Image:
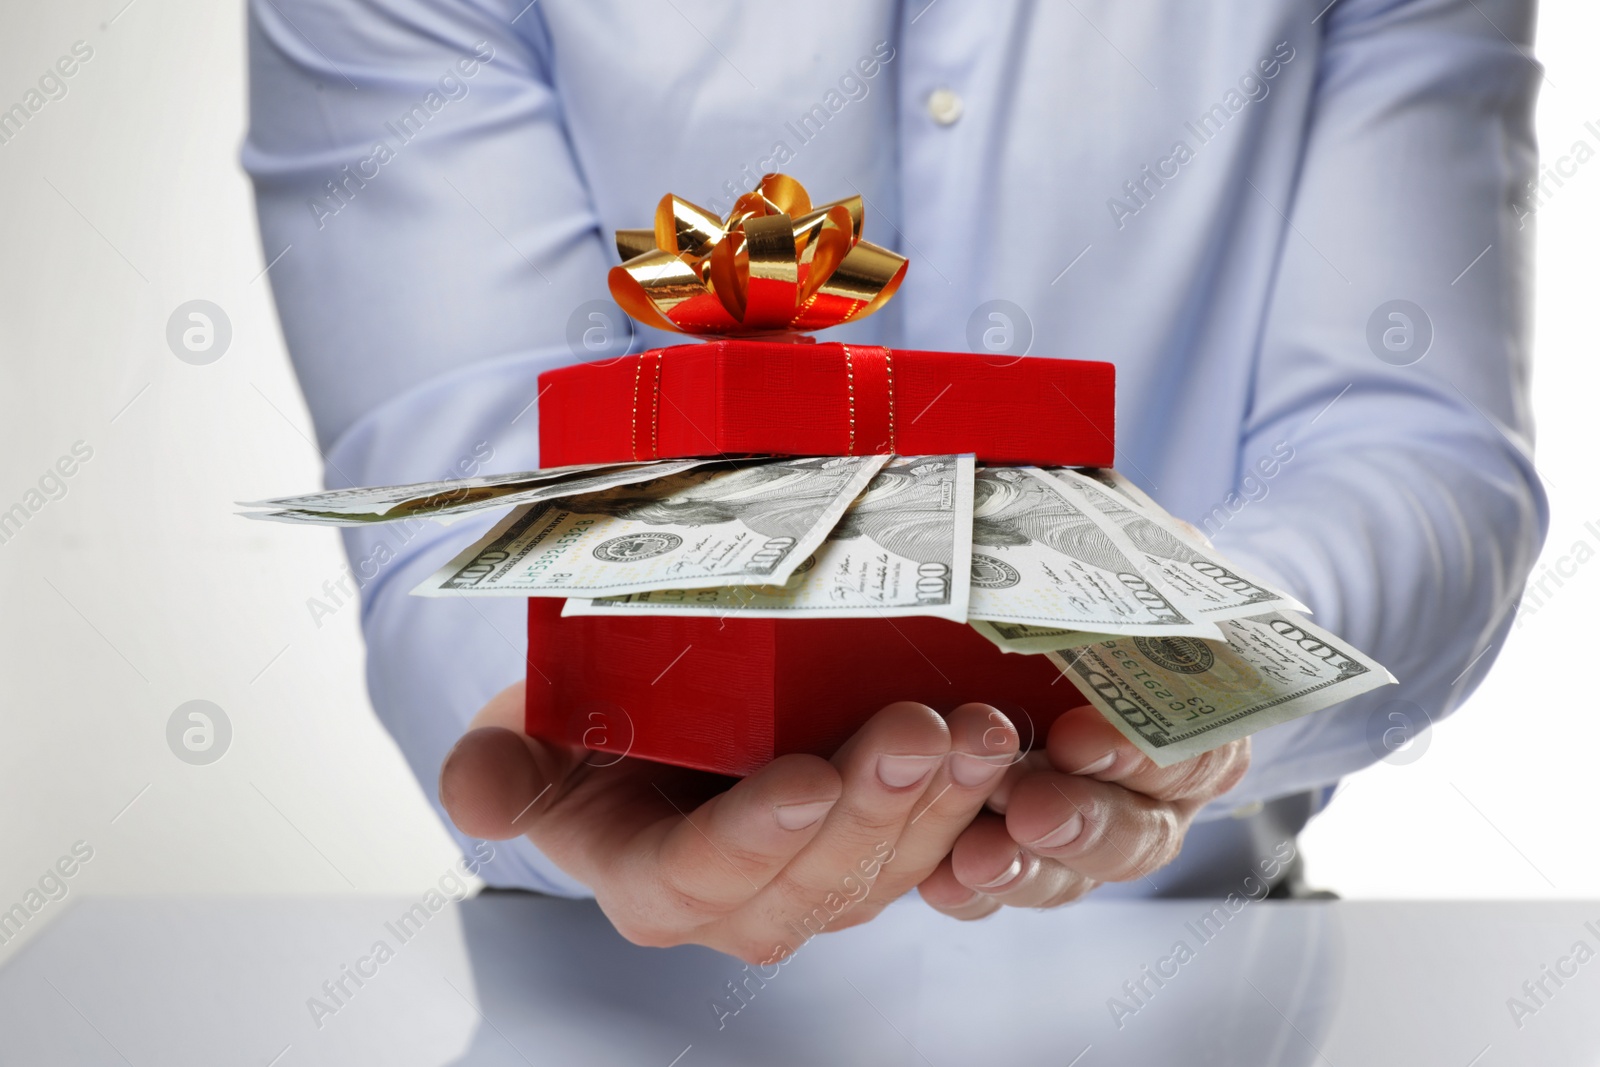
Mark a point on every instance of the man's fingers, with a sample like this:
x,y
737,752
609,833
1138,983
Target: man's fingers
x,y
943,892
1100,830
496,779
727,850
1033,760
1082,742
989,862
887,767
492,780
983,744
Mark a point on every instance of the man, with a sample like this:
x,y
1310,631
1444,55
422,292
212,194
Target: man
x,y
1288,222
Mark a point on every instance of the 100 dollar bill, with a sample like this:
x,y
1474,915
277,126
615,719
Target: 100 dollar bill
x,y
1040,557
901,549
1176,697
444,500
1025,639
727,524
1198,577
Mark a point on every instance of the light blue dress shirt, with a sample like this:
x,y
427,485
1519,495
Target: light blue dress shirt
x,y
1291,224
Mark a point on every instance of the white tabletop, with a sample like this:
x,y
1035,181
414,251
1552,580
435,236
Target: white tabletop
x,y
510,979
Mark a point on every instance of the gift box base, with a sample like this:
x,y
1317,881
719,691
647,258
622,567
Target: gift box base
x,y
728,695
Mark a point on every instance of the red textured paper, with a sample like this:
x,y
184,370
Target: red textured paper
x,y
733,397
728,695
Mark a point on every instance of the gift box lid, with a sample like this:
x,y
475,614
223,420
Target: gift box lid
x,y
734,397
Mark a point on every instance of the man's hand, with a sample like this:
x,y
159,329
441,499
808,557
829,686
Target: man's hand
x,y
750,867
1090,808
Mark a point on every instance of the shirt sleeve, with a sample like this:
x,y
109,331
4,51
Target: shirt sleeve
x,y
1396,492
430,240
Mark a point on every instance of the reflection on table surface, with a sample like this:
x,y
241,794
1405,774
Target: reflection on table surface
x,y
513,979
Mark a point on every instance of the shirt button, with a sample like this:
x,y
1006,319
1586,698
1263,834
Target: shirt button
x,y
945,106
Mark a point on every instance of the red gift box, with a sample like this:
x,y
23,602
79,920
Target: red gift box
x,y
728,695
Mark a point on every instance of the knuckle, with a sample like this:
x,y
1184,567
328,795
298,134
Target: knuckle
x,y
747,861
867,825
811,907
1196,777
1237,768
1141,764
1130,765
1163,839
682,889
781,951
1075,890
645,933
863,912
688,883
828,912
752,950
881,894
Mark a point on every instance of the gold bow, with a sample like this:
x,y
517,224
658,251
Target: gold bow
x,y
775,264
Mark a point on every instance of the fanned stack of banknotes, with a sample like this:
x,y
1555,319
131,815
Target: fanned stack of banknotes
x,y
1174,645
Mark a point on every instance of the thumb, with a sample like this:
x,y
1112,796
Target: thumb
x,y
490,782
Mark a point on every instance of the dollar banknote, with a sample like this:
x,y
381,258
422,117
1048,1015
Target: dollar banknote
x,y
1041,558
740,523
1034,640
319,518
1201,580
358,507
1175,697
376,500
901,549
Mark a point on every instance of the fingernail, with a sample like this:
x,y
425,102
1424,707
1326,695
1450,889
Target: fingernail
x,y
970,770
897,772
1011,871
1098,765
1064,834
800,816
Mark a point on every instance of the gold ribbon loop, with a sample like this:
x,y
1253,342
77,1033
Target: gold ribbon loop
x,y
685,229
775,264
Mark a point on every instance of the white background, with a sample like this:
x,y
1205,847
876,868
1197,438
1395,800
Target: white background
x,y
140,590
